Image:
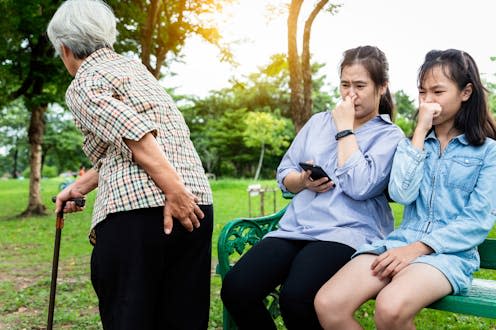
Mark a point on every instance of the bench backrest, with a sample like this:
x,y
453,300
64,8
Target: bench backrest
x,y
487,251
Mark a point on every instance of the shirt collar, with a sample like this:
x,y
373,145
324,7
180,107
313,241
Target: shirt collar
x,y
386,118
96,57
461,138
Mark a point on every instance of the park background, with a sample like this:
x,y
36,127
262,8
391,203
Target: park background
x,y
244,85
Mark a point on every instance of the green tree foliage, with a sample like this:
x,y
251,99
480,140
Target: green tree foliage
x,y
226,137
217,122
406,112
13,138
264,130
492,97
157,30
491,87
62,143
61,146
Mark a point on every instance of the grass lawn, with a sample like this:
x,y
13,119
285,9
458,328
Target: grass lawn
x,y
26,249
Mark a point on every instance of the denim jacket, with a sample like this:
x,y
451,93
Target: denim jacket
x,y
449,197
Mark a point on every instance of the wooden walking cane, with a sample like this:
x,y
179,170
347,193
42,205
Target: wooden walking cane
x,y
59,224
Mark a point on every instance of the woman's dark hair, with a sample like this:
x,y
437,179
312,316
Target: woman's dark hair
x,y
375,62
474,118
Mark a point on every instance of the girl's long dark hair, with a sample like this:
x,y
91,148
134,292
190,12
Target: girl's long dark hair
x,y
375,62
474,118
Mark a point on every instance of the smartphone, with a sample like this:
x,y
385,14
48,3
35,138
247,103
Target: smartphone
x,y
317,171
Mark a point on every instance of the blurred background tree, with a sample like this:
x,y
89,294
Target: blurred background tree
x,y
300,71
405,112
157,30
31,75
491,86
217,122
265,131
14,119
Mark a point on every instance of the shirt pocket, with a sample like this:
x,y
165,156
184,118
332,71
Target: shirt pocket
x,y
463,172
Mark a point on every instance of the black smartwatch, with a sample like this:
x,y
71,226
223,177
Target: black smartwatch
x,y
343,133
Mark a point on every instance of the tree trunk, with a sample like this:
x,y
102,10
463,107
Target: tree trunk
x,y
147,34
155,11
36,128
300,70
260,161
295,71
305,59
14,165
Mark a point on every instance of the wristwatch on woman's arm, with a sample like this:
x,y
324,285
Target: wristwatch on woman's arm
x,y
343,133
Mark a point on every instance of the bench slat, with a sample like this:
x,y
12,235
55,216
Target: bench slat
x,y
480,301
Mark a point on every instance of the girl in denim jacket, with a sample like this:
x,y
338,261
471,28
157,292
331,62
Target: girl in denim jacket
x,y
445,177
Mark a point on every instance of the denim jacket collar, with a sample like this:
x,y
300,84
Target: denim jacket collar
x,y
461,138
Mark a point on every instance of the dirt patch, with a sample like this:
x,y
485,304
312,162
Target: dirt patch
x,y
24,276
21,313
20,278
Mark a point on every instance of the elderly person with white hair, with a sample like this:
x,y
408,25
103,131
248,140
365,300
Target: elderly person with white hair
x,y
153,214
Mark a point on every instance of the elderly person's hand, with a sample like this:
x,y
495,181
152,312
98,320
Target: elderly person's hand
x,y
78,189
64,198
182,205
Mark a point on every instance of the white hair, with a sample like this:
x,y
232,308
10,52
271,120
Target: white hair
x,y
83,26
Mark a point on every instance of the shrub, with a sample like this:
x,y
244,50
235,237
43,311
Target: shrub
x,y
47,172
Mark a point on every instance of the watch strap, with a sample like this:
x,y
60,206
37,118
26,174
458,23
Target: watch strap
x,y
343,133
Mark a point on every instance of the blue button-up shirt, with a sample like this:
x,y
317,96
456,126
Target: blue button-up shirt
x,y
356,211
450,203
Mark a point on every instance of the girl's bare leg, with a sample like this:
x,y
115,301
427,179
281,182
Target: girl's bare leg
x,y
413,288
349,288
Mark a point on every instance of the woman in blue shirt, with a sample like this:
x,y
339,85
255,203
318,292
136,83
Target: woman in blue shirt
x,y
445,178
327,219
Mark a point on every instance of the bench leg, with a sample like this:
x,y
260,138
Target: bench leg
x,y
227,321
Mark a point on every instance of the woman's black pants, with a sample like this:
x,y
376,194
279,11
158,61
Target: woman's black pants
x,y
145,279
300,267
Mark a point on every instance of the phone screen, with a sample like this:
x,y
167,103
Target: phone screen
x,y
317,171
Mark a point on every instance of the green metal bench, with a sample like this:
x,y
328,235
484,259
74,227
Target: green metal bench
x,y
239,235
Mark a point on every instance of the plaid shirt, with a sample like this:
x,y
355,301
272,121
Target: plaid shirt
x,y
112,98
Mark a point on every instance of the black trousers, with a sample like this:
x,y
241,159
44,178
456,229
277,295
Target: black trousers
x,y
300,267
145,279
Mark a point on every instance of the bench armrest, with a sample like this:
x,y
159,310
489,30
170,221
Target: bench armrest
x,y
487,251
240,234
